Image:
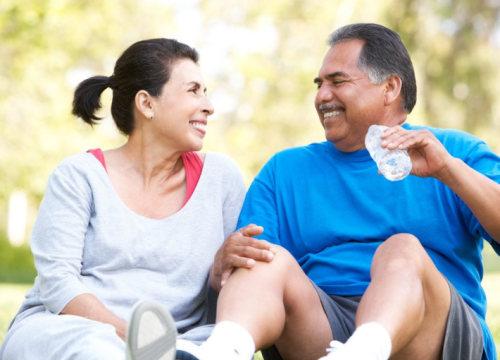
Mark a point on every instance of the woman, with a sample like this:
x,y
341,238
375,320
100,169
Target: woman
x,y
142,221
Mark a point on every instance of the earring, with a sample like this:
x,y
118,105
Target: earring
x,y
151,117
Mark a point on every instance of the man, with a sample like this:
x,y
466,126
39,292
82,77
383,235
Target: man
x,y
386,269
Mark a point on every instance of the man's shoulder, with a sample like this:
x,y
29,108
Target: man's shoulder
x,y
450,138
299,152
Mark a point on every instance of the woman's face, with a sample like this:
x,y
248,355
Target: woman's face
x,y
182,109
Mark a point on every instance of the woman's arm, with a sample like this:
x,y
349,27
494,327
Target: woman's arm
x,y
87,306
58,243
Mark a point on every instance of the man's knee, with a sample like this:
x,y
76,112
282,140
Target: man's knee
x,y
283,260
282,265
401,252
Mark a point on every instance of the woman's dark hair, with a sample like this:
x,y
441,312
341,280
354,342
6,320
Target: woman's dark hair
x,y
145,65
383,55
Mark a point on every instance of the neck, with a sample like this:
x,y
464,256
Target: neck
x,y
147,159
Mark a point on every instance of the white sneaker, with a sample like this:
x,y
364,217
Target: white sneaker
x,y
151,333
209,350
334,349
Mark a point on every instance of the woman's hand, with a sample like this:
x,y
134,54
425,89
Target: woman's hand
x,y
240,249
87,306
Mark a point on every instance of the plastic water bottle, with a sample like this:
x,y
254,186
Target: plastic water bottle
x,y
393,164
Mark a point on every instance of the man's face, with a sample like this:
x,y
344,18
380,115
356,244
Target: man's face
x,y
347,102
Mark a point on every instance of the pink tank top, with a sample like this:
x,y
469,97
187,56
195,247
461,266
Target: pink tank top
x,y
192,165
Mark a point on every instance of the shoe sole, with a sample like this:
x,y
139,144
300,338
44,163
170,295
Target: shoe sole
x,y
182,355
159,347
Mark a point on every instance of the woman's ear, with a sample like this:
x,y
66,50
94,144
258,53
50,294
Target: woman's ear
x,y
393,87
143,103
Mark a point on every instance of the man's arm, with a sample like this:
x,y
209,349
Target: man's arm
x,y
431,159
242,249
481,194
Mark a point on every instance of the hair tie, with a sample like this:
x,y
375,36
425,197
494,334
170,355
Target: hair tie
x,y
110,81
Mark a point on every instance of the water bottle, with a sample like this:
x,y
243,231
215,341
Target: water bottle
x,y
393,164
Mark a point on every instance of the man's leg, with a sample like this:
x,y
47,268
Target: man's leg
x,y
277,303
409,297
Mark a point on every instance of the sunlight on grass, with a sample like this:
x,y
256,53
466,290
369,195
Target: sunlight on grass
x,y
12,295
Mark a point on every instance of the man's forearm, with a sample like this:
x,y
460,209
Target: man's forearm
x,y
481,194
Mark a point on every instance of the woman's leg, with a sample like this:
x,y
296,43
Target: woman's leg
x,y
46,336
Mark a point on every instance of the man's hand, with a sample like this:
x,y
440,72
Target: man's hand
x,y
428,156
430,159
240,249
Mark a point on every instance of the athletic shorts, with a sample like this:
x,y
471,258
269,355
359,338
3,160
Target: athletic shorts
x,y
463,337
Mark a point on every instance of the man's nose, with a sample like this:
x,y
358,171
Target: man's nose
x,y
324,94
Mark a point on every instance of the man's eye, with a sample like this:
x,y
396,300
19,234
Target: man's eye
x,y
338,82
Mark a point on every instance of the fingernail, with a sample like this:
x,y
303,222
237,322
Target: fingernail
x,y
273,250
270,256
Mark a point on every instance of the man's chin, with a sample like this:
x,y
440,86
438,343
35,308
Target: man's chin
x,y
331,138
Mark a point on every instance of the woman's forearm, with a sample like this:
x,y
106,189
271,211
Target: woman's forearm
x,y
87,306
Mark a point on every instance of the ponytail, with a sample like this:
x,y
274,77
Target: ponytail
x,y
87,98
145,65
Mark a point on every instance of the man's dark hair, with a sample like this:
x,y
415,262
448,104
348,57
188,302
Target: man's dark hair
x,y
383,55
145,65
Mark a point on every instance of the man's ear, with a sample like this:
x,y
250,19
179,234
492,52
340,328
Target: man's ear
x,y
393,87
143,103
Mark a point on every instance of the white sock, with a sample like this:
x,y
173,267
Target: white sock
x,y
371,341
236,336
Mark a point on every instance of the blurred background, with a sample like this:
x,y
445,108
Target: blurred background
x,y
259,59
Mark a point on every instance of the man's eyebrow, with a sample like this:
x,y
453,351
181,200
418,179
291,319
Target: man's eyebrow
x,y
330,76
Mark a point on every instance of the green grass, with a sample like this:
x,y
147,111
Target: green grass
x,y
16,263
491,284
12,295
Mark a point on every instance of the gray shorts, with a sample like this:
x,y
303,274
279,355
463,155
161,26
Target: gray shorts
x,y
463,338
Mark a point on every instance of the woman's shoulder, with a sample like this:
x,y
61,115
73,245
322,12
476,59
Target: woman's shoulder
x,y
77,165
220,160
223,166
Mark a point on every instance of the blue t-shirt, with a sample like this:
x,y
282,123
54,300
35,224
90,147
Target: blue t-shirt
x,y
332,210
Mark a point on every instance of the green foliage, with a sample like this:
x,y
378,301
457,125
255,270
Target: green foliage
x,y
262,54
455,49
16,263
